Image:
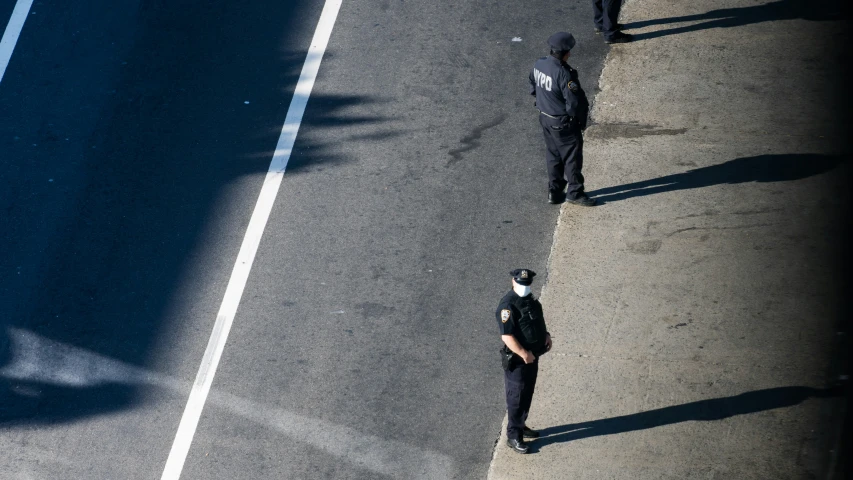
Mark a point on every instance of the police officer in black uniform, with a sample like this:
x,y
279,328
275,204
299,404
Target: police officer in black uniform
x,y
526,338
563,110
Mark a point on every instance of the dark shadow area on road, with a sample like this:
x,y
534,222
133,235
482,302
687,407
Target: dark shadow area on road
x,y
703,410
328,112
198,104
761,168
813,10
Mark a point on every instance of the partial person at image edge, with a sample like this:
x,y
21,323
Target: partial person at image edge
x,y
605,17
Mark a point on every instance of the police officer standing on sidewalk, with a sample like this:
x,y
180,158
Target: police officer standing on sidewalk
x,y
563,110
526,338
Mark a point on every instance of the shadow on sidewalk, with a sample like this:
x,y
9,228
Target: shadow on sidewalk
x,y
763,168
814,10
703,410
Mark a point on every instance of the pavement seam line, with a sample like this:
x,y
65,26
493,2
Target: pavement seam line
x,y
251,242
12,32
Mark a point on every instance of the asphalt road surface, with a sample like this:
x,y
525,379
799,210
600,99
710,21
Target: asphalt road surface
x,y
134,139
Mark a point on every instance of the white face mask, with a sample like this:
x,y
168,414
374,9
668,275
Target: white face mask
x,y
521,290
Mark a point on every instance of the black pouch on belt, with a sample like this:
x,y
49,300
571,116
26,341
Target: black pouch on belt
x,y
506,358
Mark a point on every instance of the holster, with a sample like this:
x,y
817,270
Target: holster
x,y
507,358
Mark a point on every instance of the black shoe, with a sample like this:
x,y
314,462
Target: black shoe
x,y
618,28
517,445
556,197
583,201
530,433
619,37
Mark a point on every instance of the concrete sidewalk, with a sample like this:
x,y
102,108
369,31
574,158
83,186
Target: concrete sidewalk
x,y
695,313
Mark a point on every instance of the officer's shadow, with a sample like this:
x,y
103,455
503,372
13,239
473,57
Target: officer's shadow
x,y
814,10
703,410
762,168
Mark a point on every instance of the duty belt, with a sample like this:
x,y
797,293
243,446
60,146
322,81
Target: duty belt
x,y
552,116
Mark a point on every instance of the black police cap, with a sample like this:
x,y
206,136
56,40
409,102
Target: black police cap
x,y
523,276
561,42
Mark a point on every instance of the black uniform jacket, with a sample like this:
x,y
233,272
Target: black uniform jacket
x,y
557,89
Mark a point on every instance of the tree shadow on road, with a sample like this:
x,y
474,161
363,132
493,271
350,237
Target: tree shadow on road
x,y
813,10
761,168
703,410
157,173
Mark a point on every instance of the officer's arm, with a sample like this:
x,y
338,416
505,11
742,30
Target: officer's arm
x,y
583,108
569,95
513,345
506,321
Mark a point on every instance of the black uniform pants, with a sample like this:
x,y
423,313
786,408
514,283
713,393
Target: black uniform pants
x,y
519,384
606,15
564,156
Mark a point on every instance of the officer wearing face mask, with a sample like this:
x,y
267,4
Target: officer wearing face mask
x,y
526,338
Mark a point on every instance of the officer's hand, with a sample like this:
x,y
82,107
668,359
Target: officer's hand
x,y
548,343
528,357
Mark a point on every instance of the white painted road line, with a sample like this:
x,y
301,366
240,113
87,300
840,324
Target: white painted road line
x,y
251,241
13,31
